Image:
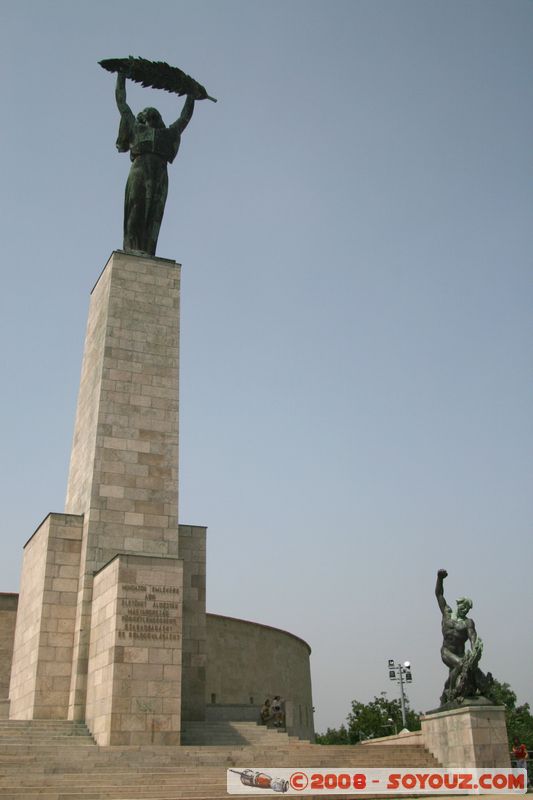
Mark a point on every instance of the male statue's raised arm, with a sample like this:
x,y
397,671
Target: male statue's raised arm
x,y
439,591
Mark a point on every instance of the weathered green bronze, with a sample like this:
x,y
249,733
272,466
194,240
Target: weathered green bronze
x,y
158,75
151,144
465,682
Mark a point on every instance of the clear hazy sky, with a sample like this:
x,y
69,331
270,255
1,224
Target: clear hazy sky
x,y
354,220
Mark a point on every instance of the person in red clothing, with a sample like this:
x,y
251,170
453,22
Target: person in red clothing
x,y
519,753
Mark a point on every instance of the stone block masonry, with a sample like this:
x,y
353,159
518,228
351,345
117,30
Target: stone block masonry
x,y
44,635
111,626
134,674
8,616
472,736
124,465
194,668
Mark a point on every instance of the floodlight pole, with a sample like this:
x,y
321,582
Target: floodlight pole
x,y
397,673
402,697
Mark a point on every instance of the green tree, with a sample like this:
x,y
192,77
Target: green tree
x,y
379,717
333,736
517,717
382,717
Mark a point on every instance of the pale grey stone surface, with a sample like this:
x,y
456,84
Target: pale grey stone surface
x,y
124,465
134,671
8,617
473,736
42,649
248,660
90,644
192,549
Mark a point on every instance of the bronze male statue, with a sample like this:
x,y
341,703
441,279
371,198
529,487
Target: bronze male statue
x,y
465,679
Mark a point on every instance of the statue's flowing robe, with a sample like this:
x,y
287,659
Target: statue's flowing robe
x,y
146,189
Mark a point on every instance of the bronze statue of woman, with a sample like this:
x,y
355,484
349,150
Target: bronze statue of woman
x,y
151,146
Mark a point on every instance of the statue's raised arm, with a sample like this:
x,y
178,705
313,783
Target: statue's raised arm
x,y
120,95
127,118
185,117
439,591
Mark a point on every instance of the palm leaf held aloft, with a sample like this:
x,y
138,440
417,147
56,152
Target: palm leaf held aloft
x,y
158,75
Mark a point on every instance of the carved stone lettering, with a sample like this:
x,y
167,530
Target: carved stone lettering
x,y
149,613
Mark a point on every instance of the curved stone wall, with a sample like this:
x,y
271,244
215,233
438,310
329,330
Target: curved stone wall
x,y
247,662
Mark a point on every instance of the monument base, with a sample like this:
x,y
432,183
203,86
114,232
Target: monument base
x,y
134,672
111,627
471,736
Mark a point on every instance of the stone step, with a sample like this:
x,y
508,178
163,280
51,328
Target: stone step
x,y
24,729
79,756
14,733
183,773
237,735
198,793
37,762
241,724
224,741
203,792
229,733
60,723
193,787
180,755
200,787
62,741
125,790
123,782
125,787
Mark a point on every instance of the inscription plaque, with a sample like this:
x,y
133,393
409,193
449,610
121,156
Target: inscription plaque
x,y
149,613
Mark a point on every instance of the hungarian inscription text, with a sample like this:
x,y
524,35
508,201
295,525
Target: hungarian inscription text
x,y
149,613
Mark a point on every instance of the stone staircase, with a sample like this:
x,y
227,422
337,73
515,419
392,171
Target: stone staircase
x,y
44,733
42,760
228,734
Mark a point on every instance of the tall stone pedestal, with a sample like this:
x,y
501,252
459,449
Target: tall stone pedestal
x,y
111,626
124,464
108,589
473,736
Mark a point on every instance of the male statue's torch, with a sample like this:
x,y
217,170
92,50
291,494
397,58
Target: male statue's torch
x,y
260,780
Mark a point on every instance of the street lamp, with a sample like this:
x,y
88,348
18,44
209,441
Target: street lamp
x,y
391,722
400,673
